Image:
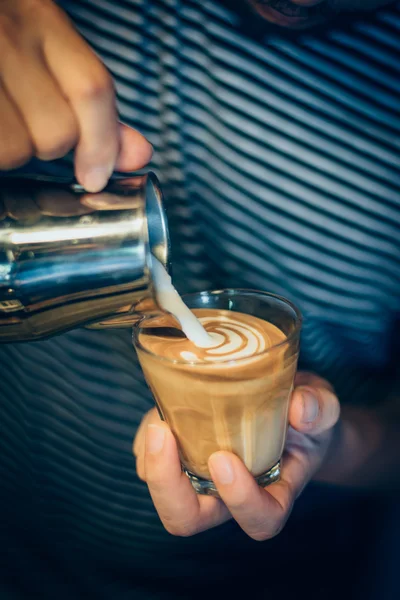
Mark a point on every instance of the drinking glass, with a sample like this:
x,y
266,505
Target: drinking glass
x,y
236,405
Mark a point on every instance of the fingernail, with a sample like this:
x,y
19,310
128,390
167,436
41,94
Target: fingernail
x,y
221,468
96,179
310,407
155,438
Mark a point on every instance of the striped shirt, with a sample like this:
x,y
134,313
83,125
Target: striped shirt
x,y
279,157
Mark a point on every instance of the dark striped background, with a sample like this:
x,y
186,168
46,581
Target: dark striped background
x,y
279,156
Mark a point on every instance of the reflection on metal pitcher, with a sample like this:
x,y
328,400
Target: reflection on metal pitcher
x,y
69,258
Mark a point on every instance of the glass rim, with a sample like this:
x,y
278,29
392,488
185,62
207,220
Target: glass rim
x,y
228,291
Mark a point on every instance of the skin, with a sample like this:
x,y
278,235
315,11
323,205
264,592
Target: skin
x,y
57,96
73,106
302,14
261,513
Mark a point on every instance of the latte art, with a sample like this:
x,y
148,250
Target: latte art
x,y
231,395
231,340
233,336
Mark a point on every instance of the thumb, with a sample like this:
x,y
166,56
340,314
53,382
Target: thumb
x,y
313,410
135,150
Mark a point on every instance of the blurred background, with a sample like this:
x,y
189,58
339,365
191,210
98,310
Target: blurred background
x,y
278,153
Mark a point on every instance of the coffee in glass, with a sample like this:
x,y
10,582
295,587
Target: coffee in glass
x,y
232,395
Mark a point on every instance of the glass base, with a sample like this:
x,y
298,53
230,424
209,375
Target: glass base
x,y
207,487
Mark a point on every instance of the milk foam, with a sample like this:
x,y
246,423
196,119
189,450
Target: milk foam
x,y
170,301
235,340
229,341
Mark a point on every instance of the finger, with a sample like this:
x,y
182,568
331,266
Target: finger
x,y
48,118
313,409
21,207
260,513
108,200
138,443
135,150
182,512
15,144
151,416
297,468
140,469
89,89
55,202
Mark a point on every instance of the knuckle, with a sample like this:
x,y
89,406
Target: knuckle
x,y
97,84
56,145
38,9
262,533
260,536
183,530
19,24
17,21
15,155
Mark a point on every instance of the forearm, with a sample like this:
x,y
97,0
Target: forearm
x,y
365,450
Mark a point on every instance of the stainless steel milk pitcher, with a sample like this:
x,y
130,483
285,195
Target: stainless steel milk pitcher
x,y
69,258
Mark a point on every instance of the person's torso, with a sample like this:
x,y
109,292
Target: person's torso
x,y
279,158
